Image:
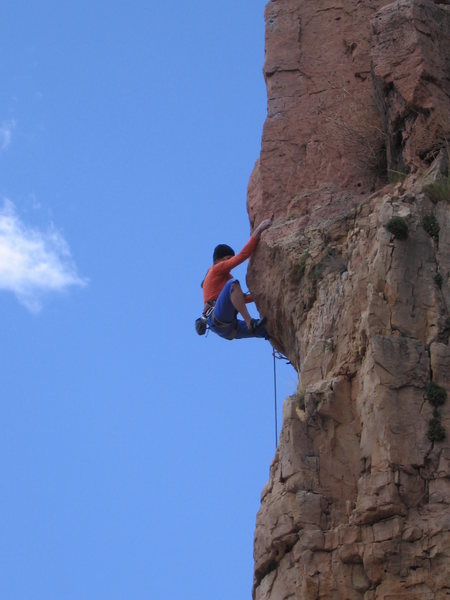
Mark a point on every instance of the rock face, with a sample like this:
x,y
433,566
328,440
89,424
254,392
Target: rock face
x,y
357,132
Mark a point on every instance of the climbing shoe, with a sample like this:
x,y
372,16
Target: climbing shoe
x,y
256,323
201,325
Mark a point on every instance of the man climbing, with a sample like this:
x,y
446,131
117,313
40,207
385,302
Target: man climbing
x,y
223,297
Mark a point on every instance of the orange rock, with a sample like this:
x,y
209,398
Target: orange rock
x,y
358,499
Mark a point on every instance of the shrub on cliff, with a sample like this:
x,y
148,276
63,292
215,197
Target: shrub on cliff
x,y
436,432
436,395
439,189
431,226
398,227
302,264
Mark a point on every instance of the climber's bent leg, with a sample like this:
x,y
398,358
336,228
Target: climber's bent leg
x,y
224,309
238,299
225,312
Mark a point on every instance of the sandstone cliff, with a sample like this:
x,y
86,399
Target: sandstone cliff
x,y
357,132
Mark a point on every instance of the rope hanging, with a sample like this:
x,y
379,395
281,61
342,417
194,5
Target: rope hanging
x,y
276,355
275,396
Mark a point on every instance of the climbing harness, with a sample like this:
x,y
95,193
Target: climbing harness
x,y
277,355
201,324
208,308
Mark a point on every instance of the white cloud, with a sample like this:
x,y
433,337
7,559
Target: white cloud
x,y
33,262
6,129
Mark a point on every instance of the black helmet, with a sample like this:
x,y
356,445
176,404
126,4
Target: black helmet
x,y
221,251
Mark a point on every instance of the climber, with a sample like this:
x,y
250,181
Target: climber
x,y
223,297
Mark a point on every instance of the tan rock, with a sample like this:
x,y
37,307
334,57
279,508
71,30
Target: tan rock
x,y
360,581
411,72
357,503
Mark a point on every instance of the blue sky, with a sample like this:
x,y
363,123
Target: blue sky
x,y
132,452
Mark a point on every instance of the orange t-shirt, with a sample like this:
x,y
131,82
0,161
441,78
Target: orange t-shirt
x,y
219,273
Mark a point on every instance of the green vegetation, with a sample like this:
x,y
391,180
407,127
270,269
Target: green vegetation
x,y
431,226
396,176
398,227
436,395
436,432
439,190
316,273
302,265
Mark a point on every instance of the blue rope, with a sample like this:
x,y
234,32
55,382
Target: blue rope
x,y
275,395
276,354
